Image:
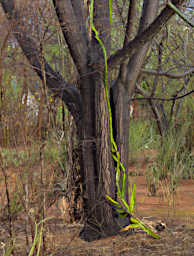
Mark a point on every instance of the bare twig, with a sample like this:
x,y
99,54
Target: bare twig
x,y
164,99
10,215
170,75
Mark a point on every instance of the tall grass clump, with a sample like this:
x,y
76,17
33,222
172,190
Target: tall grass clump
x,y
142,135
172,161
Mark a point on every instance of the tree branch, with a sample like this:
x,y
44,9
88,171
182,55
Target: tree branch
x,y
164,99
73,33
144,37
102,22
170,75
158,111
130,21
149,12
180,14
79,14
128,35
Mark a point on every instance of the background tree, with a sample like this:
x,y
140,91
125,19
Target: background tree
x,y
173,75
87,103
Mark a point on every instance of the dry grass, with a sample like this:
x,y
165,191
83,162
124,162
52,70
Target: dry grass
x,y
64,240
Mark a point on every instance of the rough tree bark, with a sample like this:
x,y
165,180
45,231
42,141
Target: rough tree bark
x,y
125,84
88,105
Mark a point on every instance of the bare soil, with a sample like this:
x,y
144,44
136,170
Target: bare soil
x,y
177,211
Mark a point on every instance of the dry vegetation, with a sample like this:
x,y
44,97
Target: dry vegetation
x,y
61,238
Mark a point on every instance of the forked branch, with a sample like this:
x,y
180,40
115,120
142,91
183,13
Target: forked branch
x,y
144,37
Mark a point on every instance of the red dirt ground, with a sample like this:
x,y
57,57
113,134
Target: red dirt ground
x,y
178,239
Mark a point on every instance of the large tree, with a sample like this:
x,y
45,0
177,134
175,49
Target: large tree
x,y
87,104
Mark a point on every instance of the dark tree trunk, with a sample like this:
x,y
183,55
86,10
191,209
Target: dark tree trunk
x,y
96,164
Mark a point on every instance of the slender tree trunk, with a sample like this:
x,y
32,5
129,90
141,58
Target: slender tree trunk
x,y
125,84
120,109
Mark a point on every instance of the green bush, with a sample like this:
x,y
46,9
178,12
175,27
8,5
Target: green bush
x,y
174,159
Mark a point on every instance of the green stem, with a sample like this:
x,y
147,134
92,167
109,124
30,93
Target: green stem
x,y
180,14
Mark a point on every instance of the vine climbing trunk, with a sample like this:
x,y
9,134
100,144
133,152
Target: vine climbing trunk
x,y
96,163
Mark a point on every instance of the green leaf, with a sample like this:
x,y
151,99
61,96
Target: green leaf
x,y
134,220
115,158
132,199
145,228
148,231
123,185
112,200
110,10
117,183
34,241
120,210
131,226
126,204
